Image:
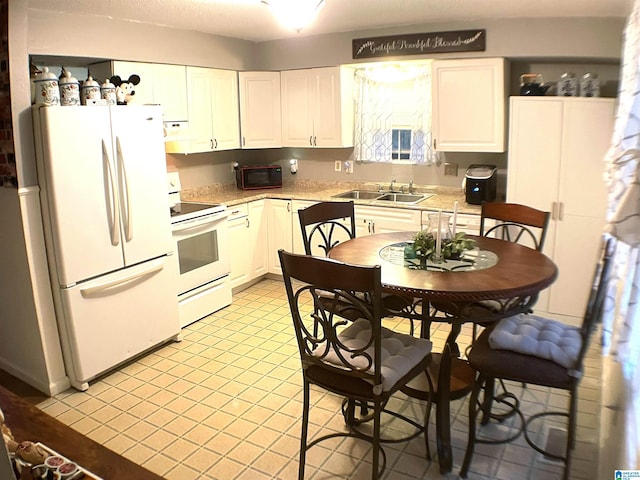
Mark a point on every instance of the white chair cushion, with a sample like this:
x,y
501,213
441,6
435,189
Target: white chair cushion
x,y
538,336
400,352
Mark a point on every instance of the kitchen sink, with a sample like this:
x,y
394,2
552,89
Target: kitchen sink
x,y
404,197
359,195
384,197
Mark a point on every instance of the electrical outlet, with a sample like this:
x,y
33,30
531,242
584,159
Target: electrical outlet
x,y
337,166
451,169
348,167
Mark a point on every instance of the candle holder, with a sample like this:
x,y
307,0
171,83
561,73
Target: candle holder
x,y
424,247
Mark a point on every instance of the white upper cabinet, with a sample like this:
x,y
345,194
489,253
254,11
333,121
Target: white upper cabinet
x,y
213,111
170,89
317,107
260,117
469,105
161,84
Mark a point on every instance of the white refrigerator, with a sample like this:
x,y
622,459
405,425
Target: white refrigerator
x,y
102,177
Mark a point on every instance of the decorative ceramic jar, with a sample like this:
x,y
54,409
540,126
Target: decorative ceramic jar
x,y
590,85
90,92
69,89
46,88
568,85
108,92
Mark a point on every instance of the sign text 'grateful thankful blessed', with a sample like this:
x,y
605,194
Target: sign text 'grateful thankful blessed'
x,y
420,43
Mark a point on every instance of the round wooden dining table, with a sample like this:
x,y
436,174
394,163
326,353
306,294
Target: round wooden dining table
x,y
494,270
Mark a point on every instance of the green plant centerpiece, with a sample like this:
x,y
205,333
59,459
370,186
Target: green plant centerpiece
x,y
424,246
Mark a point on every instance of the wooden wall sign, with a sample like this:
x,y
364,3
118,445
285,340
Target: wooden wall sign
x,y
420,44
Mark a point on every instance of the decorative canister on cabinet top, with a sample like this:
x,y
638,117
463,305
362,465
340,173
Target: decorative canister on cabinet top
x,y
90,92
46,91
590,85
108,92
568,85
69,89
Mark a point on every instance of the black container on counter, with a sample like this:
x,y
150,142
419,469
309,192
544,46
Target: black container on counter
x,y
480,184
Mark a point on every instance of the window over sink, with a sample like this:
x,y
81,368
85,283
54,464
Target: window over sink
x,y
393,114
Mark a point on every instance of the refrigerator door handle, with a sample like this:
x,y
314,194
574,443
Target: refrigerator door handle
x,y
154,267
128,226
115,209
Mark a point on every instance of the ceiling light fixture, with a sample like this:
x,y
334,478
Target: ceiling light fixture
x,y
295,14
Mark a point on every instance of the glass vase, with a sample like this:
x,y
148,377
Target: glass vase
x,y
442,222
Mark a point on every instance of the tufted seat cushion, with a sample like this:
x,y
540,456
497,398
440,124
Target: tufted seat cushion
x,y
400,352
538,336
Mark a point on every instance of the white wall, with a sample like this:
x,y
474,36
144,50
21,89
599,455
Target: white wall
x,y
573,39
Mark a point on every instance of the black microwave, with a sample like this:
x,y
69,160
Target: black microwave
x,y
259,176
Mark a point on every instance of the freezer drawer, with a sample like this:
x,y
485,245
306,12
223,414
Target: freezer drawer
x,y
115,317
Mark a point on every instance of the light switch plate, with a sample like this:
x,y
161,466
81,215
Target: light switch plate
x,y
337,166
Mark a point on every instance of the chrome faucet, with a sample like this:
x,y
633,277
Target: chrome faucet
x,y
391,186
410,186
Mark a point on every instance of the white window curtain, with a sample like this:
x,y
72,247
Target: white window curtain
x,y
623,170
374,113
621,322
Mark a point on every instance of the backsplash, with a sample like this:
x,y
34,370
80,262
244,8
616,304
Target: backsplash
x,y
317,165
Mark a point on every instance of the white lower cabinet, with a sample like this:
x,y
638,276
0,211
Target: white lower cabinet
x,y
279,223
238,226
370,220
296,231
247,234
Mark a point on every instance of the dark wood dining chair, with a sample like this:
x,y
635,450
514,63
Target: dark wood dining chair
x,y
514,223
358,359
539,351
324,225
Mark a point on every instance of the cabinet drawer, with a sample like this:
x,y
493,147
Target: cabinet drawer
x,y
238,211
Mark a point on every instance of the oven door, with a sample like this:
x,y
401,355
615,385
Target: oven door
x,y
201,249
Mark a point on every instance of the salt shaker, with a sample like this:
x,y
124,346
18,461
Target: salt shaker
x,y
590,85
568,85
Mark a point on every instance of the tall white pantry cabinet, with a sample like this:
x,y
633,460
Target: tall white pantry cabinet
x,y
556,163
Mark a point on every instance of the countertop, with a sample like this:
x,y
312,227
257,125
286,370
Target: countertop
x,y
443,197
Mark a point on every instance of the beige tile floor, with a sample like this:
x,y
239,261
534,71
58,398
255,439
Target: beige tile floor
x,y
225,404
